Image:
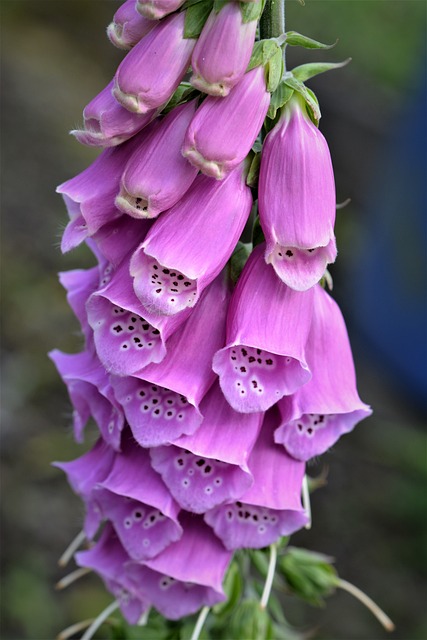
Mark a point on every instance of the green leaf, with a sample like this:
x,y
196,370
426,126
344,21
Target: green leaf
x,y
274,68
233,583
307,94
262,52
259,558
253,173
219,4
295,39
306,71
257,238
251,10
279,98
181,94
195,18
251,622
309,575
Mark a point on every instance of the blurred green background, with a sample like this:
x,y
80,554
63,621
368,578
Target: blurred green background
x,y
371,515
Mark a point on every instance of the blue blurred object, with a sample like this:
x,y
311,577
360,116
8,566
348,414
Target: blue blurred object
x,y
390,282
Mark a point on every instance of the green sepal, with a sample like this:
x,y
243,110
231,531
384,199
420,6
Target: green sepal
x,y
195,18
233,588
238,260
309,575
183,93
306,71
257,233
274,70
189,3
219,4
295,39
279,98
251,622
262,52
251,10
253,172
308,95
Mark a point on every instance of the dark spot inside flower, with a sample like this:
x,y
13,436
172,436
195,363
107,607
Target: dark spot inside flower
x,y
154,388
200,462
155,401
149,344
238,504
158,290
142,393
233,358
254,384
117,328
280,255
187,284
240,513
265,517
321,418
131,327
169,401
133,319
124,346
269,361
137,515
255,517
251,359
146,406
208,468
183,400
166,271
172,274
140,346
155,267
299,425
247,515
174,290
259,360
152,518
155,332
145,326
259,351
244,353
289,253
136,340
180,461
309,431
175,284
180,277
243,369
169,413
155,276
157,411
310,250
233,351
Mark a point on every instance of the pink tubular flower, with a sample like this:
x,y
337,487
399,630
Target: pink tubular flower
x,y
223,130
271,507
157,176
189,245
153,69
107,123
328,405
297,199
128,26
156,9
223,51
211,466
267,329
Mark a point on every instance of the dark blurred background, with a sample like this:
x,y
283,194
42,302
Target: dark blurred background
x,y
371,514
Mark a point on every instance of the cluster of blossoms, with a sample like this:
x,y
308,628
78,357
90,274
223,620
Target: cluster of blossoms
x,y
210,394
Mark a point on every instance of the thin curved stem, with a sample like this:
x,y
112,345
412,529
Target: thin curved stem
x,y
306,501
72,577
71,549
200,622
73,629
270,577
99,620
368,602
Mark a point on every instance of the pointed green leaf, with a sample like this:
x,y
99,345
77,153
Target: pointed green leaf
x,y
183,92
309,575
195,18
295,39
252,10
219,4
262,52
233,583
253,173
279,98
274,70
306,71
251,622
307,94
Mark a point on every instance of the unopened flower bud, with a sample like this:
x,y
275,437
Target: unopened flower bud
x,y
156,9
153,69
223,130
223,51
128,26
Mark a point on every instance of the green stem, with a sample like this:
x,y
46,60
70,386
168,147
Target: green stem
x,y
272,23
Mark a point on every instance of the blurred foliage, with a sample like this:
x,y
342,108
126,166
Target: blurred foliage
x,y
371,516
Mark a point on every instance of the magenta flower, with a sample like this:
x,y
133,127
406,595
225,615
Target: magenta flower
x,y
128,26
328,405
153,69
271,507
187,575
267,329
223,130
90,394
223,51
187,247
297,199
156,9
211,466
110,561
80,284
127,336
162,401
107,123
84,474
156,175
138,505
